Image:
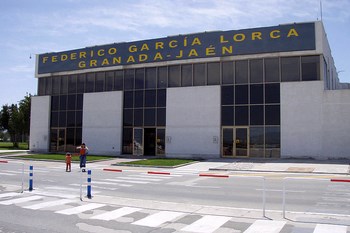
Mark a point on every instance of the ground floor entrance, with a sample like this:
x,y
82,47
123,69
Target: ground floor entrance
x,y
58,139
148,141
235,142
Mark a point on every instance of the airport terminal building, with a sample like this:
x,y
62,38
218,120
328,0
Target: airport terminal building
x,y
270,92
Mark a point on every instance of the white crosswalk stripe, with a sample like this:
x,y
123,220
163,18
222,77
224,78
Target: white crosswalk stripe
x,y
20,200
207,224
80,209
324,228
158,219
266,226
128,181
49,204
6,174
3,195
116,213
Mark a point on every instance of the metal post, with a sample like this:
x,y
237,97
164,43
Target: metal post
x,y
81,184
22,176
89,185
30,178
284,198
264,197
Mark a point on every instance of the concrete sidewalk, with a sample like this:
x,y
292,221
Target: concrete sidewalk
x,y
285,165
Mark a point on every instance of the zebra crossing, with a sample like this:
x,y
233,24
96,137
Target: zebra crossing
x,y
196,223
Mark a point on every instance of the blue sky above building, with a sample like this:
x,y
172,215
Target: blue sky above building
x,y
40,26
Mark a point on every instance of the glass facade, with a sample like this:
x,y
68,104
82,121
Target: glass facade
x,y
250,101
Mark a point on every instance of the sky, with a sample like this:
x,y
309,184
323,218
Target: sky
x,y
40,26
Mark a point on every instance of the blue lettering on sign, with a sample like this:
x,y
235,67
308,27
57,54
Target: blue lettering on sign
x,y
281,38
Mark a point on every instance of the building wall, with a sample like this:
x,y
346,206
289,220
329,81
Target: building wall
x,y
314,123
102,122
193,122
336,124
40,124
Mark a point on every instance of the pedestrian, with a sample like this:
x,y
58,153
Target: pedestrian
x,y
68,162
83,151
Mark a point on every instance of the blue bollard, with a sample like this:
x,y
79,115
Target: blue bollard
x,y
89,185
30,178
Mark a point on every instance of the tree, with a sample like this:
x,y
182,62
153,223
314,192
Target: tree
x,y
15,119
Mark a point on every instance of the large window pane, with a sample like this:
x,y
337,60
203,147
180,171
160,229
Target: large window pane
x,y
161,97
272,93
150,98
272,70
199,75
55,103
163,77
72,84
241,72
241,94
161,116
272,142
186,75
151,78
214,73
272,115
139,79
128,99
227,95
138,99
256,71
227,115
129,77
119,80
64,85
72,99
310,67
62,119
81,83
256,136
79,105
174,76
150,117
54,119
138,117
56,81
63,102
100,82
109,81
256,94
160,141
241,115
290,69
257,115
90,82
48,86
71,119
127,140
227,72
79,119
128,117
41,86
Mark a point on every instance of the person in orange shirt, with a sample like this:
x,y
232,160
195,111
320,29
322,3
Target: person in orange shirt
x,y
68,162
83,150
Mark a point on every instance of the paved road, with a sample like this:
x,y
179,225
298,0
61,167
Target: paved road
x,y
182,201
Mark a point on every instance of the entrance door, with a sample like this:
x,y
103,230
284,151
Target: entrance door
x,y
138,141
235,142
58,140
150,141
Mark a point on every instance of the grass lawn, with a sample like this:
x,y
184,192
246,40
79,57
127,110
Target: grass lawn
x,y
9,146
62,157
160,162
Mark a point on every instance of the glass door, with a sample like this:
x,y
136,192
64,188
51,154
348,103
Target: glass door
x,y
58,140
138,141
241,142
235,142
